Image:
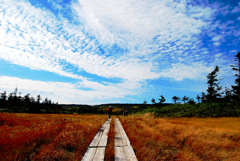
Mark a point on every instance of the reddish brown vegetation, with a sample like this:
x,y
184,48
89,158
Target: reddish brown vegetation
x,y
66,137
46,137
184,138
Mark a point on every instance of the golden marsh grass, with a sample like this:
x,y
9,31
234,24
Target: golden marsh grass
x,y
183,138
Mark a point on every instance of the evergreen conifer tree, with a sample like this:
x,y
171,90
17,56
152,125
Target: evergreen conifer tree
x,y
175,99
184,99
162,99
213,86
236,88
198,98
153,101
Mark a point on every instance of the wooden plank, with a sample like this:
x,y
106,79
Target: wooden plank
x,y
118,143
124,137
118,139
99,155
117,133
123,148
104,137
105,124
89,154
129,153
119,154
96,139
96,149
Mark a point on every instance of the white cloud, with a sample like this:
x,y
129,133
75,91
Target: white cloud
x,y
42,42
236,9
134,24
27,42
37,39
198,70
217,43
216,40
178,72
68,92
140,40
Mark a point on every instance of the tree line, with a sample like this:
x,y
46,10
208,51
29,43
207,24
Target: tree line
x,y
14,102
214,92
215,102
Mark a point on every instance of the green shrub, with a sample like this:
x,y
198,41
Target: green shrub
x,y
199,110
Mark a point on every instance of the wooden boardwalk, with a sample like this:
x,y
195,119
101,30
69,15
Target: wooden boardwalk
x,y
96,149
123,148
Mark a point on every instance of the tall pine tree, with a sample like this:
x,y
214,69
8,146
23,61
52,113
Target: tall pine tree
x,y
213,86
236,88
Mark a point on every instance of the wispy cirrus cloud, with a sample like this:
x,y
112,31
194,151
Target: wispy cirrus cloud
x,y
68,92
158,32
133,41
54,41
224,28
236,9
143,27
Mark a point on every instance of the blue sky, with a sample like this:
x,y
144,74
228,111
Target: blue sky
x,y
111,51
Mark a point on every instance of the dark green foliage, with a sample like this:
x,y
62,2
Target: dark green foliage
x,y
175,99
191,101
228,97
153,101
162,99
236,88
28,104
3,96
213,90
184,99
198,97
144,102
16,103
214,103
203,97
199,110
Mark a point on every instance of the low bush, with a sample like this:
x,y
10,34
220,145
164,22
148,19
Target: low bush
x,y
198,110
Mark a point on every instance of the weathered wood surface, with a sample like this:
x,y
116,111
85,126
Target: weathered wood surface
x,y
89,154
119,154
99,155
96,149
123,148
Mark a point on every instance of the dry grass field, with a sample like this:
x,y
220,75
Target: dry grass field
x,y
183,138
47,136
66,137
